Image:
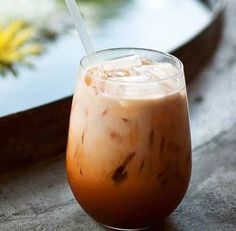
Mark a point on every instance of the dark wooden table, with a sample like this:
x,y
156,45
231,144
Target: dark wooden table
x,y
39,198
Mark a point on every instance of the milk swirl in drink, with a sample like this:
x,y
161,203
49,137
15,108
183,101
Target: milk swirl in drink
x,y
129,148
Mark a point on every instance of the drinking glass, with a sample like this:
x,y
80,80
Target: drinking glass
x,y
129,148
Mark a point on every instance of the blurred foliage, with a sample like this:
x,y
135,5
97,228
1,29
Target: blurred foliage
x,y
16,46
28,25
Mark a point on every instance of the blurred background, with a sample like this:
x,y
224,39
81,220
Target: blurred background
x,y
40,50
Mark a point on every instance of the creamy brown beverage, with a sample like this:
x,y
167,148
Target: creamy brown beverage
x,y
129,149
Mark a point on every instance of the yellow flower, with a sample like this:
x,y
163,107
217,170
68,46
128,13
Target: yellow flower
x,y
16,45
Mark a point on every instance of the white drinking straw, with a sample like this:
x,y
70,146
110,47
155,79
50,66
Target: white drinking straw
x,y
80,26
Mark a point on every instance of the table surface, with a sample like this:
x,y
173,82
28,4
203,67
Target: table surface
x,y
40,199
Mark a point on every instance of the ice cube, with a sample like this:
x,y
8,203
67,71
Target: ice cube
x,y
122,63
147,62
133,79
168,68
156,71
117,74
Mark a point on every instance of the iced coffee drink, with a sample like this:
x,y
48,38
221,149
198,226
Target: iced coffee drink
x,y
129,149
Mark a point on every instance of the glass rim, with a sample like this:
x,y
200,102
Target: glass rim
x,y
180,68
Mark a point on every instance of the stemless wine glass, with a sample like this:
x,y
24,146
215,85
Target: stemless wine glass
x,y
129,148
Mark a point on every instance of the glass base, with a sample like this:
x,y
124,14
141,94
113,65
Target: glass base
x,y
120,229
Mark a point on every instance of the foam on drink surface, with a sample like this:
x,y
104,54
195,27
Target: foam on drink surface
x,y
149,78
